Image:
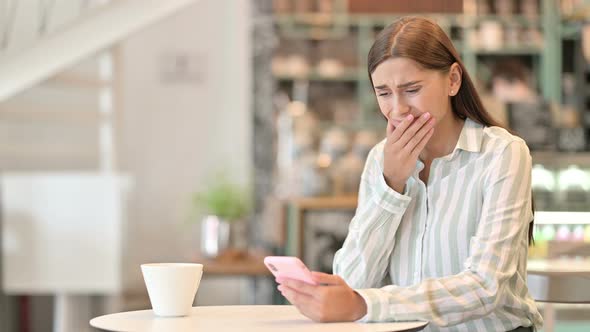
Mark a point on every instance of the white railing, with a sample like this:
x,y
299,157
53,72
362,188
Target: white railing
x,y
22,22
39,54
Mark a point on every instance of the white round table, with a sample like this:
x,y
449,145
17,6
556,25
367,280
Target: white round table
x,y
558,281
254,318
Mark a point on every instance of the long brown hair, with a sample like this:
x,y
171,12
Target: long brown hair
x,y
423,41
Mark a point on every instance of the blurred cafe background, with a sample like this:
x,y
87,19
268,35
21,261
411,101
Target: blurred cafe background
x,y
221,131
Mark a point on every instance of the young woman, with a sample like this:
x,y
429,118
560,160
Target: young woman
x,y
444,216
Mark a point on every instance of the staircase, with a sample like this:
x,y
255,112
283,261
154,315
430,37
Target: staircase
x,y
58,78
34,48
59,87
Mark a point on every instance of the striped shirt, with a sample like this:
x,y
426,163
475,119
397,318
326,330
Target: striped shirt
x,y
452,251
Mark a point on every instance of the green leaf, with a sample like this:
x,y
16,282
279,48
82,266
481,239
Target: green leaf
x,y
224,199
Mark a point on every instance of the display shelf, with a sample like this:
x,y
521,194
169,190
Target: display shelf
x,y
296,216
326,19
346,76
551,60
470,21
570,30
565,306
444,19
562,218
523,50
546,59
295,210
561,159
349,202
378,125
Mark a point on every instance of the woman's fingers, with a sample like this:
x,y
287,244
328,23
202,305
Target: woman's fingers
x,y
293,295
300,286
411,132
417,137
307,305
420,146
399,162
310,311
326,279
390,127
398,131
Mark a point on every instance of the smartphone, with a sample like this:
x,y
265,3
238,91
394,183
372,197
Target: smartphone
x,y
289,267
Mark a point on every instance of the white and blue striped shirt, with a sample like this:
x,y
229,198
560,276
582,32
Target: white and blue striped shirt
x,y
452,251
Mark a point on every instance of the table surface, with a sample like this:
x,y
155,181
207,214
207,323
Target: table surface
x,y
258,318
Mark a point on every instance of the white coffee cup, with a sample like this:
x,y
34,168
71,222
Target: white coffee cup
x,y
172,286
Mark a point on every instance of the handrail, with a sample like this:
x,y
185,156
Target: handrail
x,y
57,51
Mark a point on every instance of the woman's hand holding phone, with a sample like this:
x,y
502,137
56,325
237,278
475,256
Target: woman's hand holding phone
x,y
403,147
321,297
332,300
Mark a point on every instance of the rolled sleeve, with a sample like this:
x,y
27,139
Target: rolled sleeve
x,y
389,199
364,257
377,305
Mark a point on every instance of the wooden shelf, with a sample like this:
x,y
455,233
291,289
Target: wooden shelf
x,y
325,203
235,264
337,25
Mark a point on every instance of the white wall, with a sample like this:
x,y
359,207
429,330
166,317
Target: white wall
x,y
174,136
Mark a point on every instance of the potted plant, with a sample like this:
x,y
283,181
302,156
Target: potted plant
x,y
224,207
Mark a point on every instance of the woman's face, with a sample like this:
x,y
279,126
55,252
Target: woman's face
x,y
403,87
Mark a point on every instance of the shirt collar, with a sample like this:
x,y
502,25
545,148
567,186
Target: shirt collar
x,y
470,138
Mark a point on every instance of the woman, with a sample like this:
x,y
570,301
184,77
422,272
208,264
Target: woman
x,y
441,230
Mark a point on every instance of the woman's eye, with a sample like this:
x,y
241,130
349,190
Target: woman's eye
x,y
413,90
383,94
